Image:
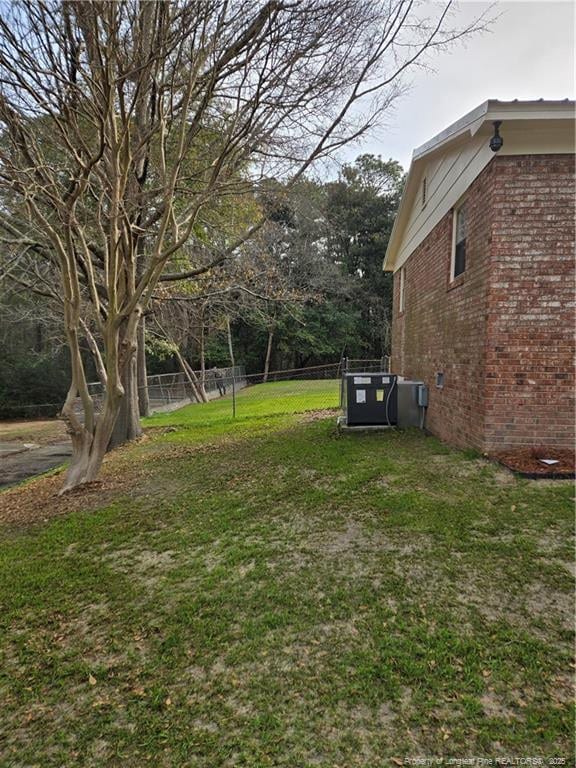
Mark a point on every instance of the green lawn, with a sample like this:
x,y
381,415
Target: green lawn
x,y
267,593
280,397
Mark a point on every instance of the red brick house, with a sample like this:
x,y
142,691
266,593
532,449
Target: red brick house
x,y
483,252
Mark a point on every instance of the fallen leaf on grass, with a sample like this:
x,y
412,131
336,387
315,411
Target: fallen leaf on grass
x,y
91,679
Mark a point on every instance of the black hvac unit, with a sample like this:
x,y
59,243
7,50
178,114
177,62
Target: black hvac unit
x,y
370,399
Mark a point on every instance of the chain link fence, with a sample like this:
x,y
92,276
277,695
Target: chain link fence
x,y
169,391
37,411
295,390
360,365
288,391
172,390
232,392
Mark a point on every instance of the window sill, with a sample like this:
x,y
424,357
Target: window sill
x,y
457,282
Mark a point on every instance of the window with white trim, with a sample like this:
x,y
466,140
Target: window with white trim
x,y
459,241
402,300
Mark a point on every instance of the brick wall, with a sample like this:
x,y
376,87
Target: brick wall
x,y
443,326
502,333
530,341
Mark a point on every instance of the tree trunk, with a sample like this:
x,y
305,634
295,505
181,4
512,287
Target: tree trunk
x,y
192,379
89,448
90,439
230,344
268,355
203,365
127,426
94,434
142,376
387,338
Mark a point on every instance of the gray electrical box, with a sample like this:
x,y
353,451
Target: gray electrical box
x,y
422,395
412,399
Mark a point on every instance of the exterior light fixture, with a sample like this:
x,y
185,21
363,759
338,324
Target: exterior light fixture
x,y
496,142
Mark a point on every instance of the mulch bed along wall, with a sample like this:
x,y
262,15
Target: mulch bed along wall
x,y
527,462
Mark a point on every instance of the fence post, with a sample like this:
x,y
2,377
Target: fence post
x,y
344,364
234,393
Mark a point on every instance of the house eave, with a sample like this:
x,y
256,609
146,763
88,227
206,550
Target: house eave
x,y
462,130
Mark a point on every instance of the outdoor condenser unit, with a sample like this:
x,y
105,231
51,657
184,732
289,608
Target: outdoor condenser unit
x,y
370,399
383,400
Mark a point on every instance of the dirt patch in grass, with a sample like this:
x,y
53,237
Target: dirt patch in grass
x,y
43,432
355,538
147,566
504,477
354,549
453,467
536,602
318,480
494,706
38,501
309,416
543,601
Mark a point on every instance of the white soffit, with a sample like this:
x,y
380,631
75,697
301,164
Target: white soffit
x,y
552,127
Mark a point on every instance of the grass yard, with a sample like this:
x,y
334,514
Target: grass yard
x,y
272,399
268,593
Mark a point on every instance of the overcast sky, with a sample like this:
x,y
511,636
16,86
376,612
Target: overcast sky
x,y
528,54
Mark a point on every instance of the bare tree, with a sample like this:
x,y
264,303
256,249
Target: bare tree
x,y
123,120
